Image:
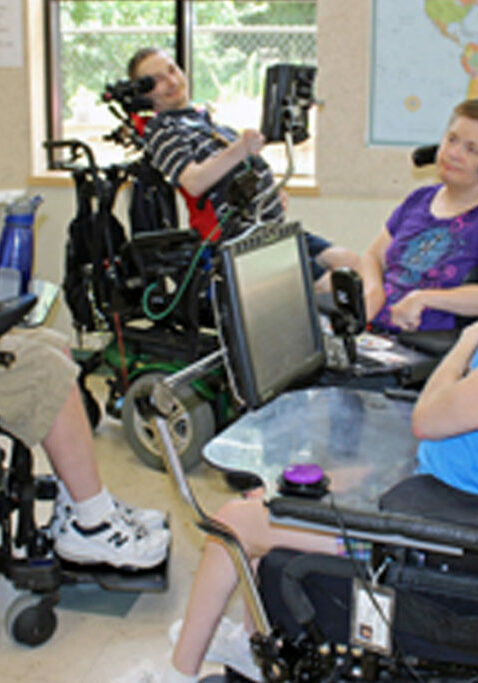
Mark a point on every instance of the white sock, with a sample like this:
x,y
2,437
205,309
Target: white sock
x,y
94,510
172,675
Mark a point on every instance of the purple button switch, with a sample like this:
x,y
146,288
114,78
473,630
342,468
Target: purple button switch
x,y
303,474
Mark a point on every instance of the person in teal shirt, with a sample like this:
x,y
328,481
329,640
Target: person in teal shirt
x,y
446,417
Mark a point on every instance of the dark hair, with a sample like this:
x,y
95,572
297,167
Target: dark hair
x,y
138,57
467,108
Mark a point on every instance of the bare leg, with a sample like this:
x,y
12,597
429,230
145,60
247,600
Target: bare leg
x,y
69,446
216,577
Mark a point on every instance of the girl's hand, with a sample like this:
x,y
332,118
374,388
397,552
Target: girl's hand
x,y
407,313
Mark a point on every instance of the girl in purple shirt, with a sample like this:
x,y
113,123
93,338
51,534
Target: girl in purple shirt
x,y
414,270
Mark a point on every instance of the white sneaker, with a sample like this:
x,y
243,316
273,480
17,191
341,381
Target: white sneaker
x,y
63,511
230,646
149,518
113,542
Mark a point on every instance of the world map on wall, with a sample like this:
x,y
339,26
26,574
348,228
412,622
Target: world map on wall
x,y
424,61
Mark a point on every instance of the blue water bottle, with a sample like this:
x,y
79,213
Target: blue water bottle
x,y
16,243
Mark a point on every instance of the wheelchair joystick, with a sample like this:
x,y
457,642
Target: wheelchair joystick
x,y
349,317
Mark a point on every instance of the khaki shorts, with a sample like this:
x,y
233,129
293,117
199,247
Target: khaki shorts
x,y
35,387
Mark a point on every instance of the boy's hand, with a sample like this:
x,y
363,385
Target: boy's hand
x,y
253,141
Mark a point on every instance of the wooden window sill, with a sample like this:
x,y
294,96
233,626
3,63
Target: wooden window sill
x,y
296,187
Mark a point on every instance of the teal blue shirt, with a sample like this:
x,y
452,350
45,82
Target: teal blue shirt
x,y
453,460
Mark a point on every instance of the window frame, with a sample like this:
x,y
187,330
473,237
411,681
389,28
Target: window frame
x,y
51,11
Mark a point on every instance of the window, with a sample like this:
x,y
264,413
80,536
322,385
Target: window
x,y
232,45
90,44
225,46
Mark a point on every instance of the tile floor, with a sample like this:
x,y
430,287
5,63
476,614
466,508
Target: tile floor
x,y
107,637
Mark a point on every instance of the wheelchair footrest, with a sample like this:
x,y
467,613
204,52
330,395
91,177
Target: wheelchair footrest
x,y
153,579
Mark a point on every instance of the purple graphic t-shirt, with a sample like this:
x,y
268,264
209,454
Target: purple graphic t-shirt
x,y
427,253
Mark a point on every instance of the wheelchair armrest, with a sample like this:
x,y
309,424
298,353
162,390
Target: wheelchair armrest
x,y
433,342
387,526
13,310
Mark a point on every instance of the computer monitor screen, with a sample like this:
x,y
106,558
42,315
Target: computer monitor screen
x,y
272,327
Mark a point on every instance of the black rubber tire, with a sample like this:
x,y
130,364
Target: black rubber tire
x,y
30,621
189,438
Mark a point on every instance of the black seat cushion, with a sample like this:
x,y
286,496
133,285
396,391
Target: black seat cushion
x,y
426,496
434,342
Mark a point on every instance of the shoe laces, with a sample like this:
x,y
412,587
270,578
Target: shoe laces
x,y
117,519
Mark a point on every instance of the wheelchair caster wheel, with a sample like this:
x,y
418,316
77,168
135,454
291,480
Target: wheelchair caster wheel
x,y
30,620
191,426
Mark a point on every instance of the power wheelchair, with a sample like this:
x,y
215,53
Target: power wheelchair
x,y
149,291
145,294
317,617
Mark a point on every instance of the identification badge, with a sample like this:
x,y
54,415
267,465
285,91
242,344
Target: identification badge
x,y
373,611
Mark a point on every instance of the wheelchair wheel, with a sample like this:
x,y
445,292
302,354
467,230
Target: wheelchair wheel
x,y
190,430
30,620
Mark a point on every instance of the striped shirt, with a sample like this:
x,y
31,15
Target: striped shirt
x,y
179,137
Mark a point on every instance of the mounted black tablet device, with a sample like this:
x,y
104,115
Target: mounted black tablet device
x,y
273,334
287,99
